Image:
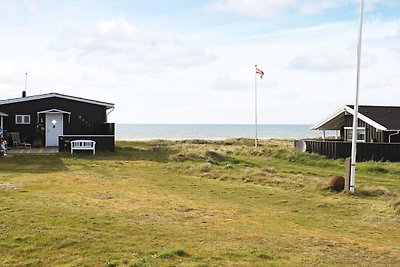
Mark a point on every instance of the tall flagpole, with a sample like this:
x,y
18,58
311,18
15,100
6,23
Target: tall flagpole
x,y
355,116
255,104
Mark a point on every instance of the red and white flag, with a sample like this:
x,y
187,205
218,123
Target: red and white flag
x,y
258,71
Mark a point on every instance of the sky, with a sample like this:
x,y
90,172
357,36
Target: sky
x,y
192,61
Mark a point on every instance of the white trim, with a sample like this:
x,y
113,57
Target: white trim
x,y
367,120
358,128
92,135
351,111
54,110
43,96
3,114
330,117
22,119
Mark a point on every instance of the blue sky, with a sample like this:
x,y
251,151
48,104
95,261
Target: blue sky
x,y
187,61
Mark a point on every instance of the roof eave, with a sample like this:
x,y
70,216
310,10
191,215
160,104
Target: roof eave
x,y
351,111
329,118
367,120
38,97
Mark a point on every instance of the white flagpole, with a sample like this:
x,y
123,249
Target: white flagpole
x,y
255,103
355,116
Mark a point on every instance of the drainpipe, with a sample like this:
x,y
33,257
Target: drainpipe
x,y
390,135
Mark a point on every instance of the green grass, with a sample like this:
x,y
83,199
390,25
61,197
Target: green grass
x,y
195,203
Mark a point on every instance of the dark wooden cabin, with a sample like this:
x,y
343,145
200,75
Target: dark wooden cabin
x,y
378,133
51,120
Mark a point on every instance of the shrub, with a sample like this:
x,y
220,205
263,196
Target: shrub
x,y
336,183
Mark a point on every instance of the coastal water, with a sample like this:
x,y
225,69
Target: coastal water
x,y
210,131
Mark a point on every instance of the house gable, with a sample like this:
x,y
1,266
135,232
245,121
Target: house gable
x,y
337,119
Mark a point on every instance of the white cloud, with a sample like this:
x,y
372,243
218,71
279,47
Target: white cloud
x,y
325,59
315,7
371,5
122,47
15,7
274,8
256,8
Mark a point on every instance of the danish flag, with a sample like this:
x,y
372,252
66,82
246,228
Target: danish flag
x,y
258,71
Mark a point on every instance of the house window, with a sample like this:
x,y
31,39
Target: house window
x,y
22,119
361,137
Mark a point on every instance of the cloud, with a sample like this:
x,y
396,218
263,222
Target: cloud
x,y
13,7
120,46
379,84
274,8
324,59
240,82
252,8
371,5
315,7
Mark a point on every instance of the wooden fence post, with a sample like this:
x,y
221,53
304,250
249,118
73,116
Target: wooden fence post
x,y
347,175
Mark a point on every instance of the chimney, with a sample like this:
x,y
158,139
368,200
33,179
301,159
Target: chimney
x,y
23,93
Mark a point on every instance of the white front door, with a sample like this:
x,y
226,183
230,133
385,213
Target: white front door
x,y
54,128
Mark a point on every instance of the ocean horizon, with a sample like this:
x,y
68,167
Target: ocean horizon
x,y
137,131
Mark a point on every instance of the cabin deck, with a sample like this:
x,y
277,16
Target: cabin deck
x,y
41,150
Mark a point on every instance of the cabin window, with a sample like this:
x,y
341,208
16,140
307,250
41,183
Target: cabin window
x,y
361,137
22,119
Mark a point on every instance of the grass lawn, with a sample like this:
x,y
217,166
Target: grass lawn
x,y
195,203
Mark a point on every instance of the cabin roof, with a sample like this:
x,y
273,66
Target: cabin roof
x,y
49,95
388,116
385,118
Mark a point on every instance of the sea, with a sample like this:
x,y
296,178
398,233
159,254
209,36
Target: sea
x,y
211,131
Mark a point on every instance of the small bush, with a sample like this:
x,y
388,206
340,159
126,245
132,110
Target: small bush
x,y
336,183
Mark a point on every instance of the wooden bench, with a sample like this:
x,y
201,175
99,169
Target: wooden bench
x,y
83,145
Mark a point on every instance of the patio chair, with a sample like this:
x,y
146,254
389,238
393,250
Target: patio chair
x,y
3,148
17,141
